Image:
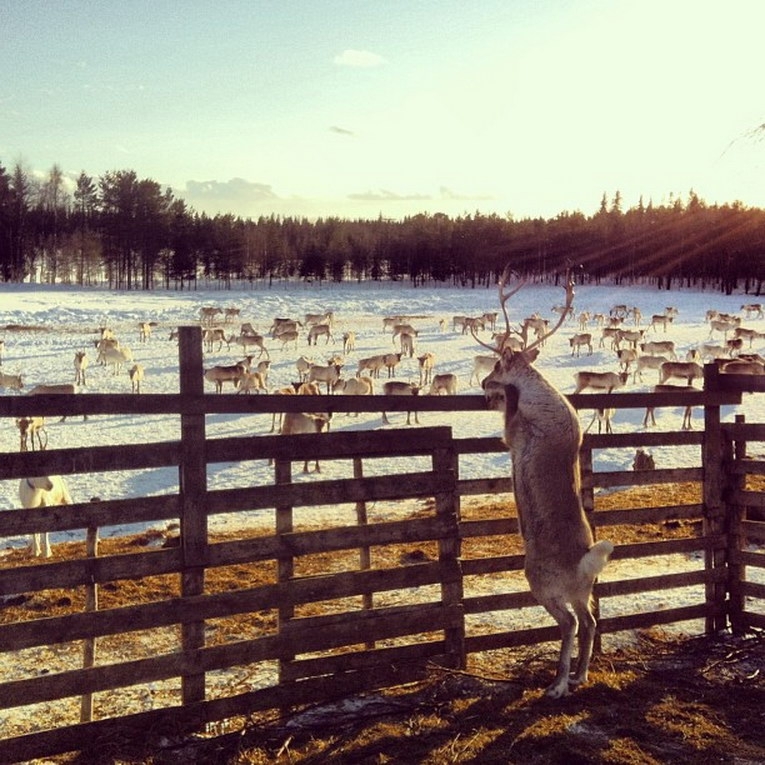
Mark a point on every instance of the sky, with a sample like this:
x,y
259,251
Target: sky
x,y
360,109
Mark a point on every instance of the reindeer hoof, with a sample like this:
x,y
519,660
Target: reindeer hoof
x,y
558,690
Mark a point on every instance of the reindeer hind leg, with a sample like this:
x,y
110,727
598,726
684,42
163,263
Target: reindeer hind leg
x,y
586,640
567,621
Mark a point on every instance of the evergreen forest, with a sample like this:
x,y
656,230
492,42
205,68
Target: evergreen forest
x,y
129,233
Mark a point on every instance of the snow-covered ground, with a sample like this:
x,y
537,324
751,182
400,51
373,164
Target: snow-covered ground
x,y
44,326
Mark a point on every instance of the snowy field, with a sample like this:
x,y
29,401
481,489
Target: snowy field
x,y
43,327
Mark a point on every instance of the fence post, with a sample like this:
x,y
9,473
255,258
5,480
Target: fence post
x,y
285,565
714,510
449,550
89,644
587,494
734,452
193,488
365,557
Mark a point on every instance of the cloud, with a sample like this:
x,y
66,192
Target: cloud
x,y
358,59
340,130
447,193
235,189
383,195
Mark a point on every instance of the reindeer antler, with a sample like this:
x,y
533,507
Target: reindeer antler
x,y
503,298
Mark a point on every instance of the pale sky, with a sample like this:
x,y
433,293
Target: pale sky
x,y
355,108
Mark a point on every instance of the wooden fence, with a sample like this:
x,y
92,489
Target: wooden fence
x,y
403,578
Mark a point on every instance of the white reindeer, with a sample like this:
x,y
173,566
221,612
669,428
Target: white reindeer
x,y
482,365
606,381
427,363
136,374
445,384
328,374
43,491
543,434
144,331
349,342
80,367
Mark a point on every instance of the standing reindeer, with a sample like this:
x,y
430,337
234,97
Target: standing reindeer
x,y
543,435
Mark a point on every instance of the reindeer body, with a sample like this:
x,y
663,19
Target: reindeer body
x,y
43,491
543,435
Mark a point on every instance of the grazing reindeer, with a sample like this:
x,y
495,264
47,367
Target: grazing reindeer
x,y
29,428
543,435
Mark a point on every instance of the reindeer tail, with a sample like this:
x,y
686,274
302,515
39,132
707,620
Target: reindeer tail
x,y
594,560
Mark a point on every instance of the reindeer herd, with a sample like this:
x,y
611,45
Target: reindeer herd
x,y
334,356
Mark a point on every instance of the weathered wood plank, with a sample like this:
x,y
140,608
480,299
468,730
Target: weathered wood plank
x,y
50,630
476,487
745,431
651,618
656,583
747,467
328,492
642,439
72,573
494,565
339,445
609,479
638,516
328,540
322,633
89,514
753,530
754,559
163,403
91,459
753,590
489,527
748,498
667,547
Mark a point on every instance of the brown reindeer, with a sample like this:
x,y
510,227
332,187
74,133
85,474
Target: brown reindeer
x,y
543,434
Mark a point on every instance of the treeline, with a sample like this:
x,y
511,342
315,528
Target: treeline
x,y
129,233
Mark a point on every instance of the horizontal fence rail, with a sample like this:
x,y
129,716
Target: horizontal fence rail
x,y
410,573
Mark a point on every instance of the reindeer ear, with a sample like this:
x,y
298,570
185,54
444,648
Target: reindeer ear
x,y
531,355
